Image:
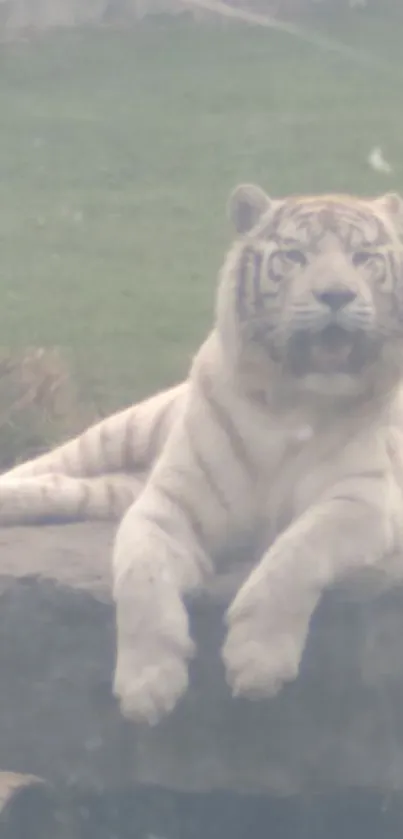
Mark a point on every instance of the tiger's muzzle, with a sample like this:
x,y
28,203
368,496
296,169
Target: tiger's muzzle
x,y
342,345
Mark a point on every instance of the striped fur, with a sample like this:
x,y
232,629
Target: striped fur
x,y
289,432
97,475
287,435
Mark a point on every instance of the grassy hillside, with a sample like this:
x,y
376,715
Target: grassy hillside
x,y
117,152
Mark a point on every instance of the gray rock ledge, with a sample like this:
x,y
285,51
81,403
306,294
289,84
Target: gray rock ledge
x,y
340,725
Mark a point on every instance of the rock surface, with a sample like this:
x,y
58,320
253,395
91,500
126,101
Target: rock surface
x,y
27,801
339,725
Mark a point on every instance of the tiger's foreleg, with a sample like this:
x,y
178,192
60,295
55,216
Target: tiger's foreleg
x,y
268,621
163,551
158,558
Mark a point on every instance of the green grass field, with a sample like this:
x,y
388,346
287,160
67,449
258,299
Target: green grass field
x,y
117,152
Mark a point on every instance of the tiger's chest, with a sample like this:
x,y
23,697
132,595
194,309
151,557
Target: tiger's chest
x,y
303,464
282,471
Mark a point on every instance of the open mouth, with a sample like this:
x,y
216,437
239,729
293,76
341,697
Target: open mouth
x,y
332,350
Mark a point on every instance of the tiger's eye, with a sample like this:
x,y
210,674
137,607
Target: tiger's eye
x,y
294,255
361,258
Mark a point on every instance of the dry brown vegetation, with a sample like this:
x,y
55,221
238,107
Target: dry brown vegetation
x,y
39,403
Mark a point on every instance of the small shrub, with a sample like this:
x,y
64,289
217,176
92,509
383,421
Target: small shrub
x,y
39,403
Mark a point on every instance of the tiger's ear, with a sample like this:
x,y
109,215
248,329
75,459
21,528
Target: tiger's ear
x,y
246,205
392,204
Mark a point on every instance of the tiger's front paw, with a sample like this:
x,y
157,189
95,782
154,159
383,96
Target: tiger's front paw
x,y
261,653
149,691
257,667
154,646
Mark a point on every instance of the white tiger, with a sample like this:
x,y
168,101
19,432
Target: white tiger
x,y
288,429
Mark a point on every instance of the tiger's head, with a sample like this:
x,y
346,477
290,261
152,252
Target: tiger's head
x,y
312,290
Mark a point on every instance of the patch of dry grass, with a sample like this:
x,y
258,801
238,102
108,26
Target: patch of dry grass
x,y
39,403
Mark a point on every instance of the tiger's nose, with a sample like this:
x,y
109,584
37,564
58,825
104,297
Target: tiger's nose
x,y
335,298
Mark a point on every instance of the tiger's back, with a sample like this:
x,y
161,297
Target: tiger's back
x,y
96,475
